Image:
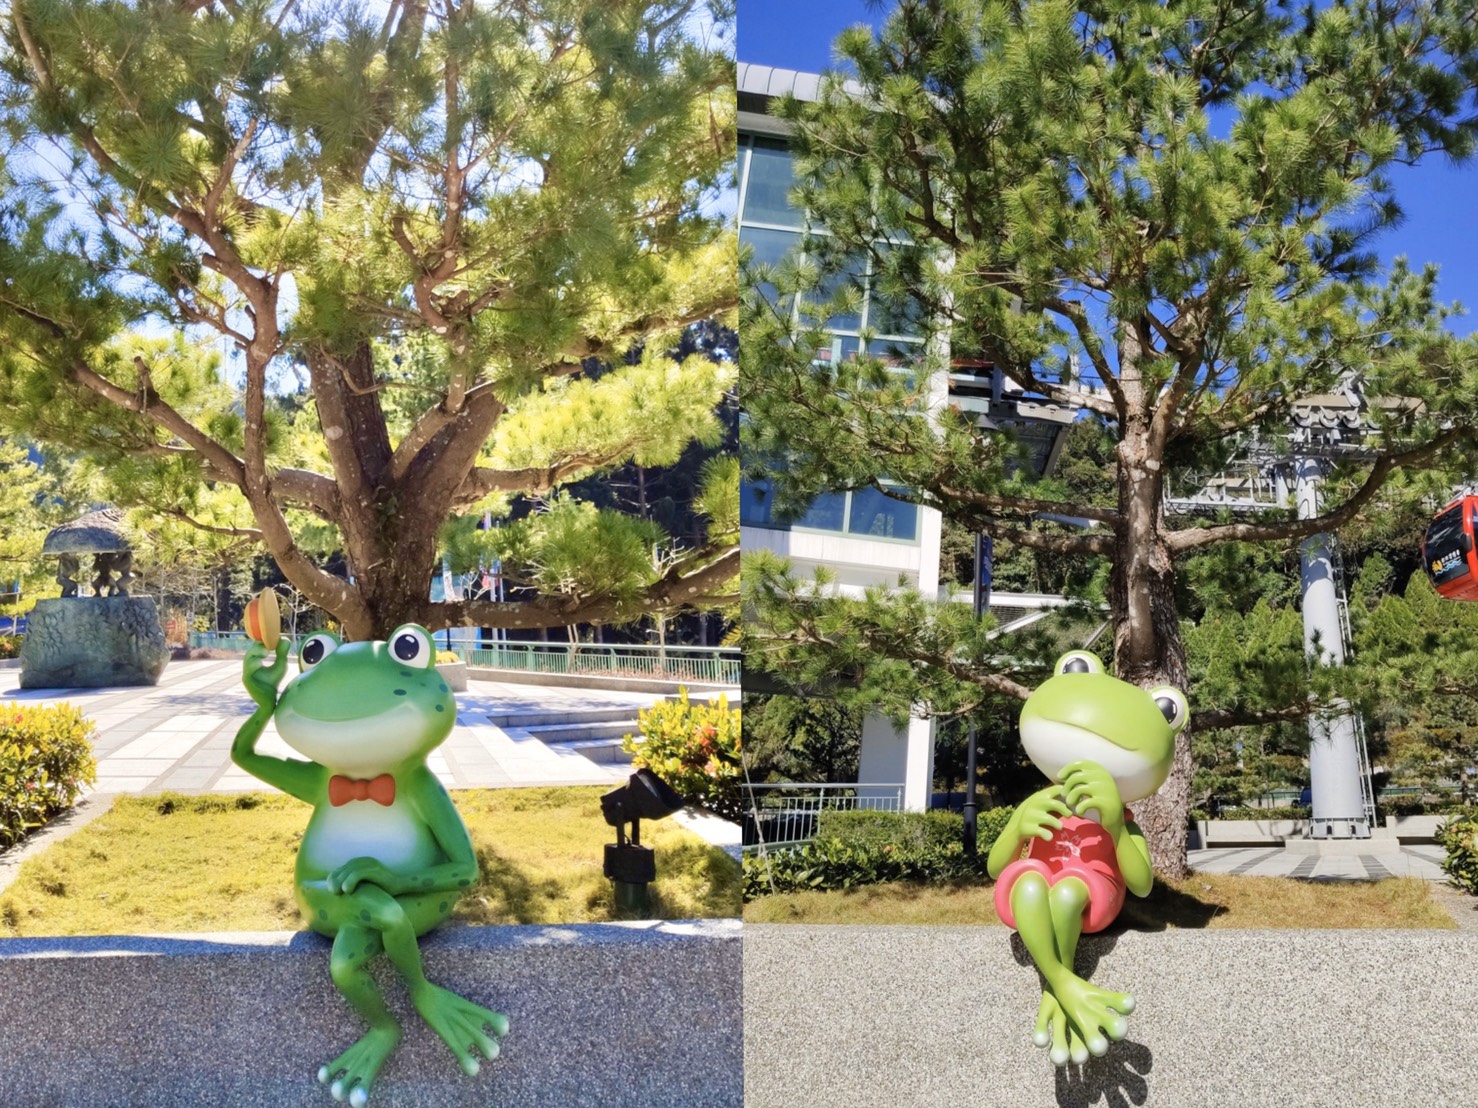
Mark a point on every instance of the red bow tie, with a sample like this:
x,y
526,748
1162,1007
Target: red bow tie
x,y
380,789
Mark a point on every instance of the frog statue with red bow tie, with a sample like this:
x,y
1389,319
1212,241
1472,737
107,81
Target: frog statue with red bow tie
x,y
385,855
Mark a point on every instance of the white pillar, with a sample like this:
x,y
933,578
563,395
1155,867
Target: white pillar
x,y
1334,752
891,756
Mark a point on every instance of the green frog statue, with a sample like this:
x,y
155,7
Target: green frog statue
x,y
385,855
1070,851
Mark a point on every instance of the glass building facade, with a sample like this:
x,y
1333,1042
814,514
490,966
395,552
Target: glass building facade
x,y
775,231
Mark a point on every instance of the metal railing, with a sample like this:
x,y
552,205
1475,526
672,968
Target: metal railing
x,y
236,641
788,814
716,665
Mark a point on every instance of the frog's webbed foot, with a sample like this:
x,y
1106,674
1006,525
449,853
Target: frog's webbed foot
x,y
1066,1043
467,1029
1092,1012
350,1075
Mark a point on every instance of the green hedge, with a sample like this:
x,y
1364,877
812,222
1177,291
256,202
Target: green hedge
x,y
1415,806
852,849
1255,813
1459,837
45,760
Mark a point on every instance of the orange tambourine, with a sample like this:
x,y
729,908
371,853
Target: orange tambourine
x,y
264,619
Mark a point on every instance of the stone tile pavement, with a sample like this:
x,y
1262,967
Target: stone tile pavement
x,y
1414,860
177,735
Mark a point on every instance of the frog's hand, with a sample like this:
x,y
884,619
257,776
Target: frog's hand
x,y
303,780
1037,817
261,681
1134,860
459,871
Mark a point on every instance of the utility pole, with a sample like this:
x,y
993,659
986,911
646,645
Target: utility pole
x,y
984,555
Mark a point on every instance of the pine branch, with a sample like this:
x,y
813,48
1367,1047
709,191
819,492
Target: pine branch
x,y
1222,718
1026,505
1194,538
251,533
530,480
680,587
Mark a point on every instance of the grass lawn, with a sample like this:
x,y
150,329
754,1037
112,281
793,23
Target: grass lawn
x,y
1211,901
224,863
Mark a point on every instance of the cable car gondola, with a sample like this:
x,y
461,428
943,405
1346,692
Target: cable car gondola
x,y
1448,550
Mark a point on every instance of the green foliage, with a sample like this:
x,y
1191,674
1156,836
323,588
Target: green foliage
x,y
570,549
1459,837
451,250
788,738
1285,812
10,646
695,748
852,849
45,760
1161,215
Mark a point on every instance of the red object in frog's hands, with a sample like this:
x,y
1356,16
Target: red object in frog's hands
x,y
381,789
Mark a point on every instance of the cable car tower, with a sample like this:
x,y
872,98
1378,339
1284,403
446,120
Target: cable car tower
x,y
1263,477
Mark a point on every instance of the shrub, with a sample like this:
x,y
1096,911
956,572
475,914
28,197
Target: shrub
x,y
1459,837
447,657
866,848
10,646
45,759
695,749
1259,813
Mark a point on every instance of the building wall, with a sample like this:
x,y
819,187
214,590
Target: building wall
x,y
861,538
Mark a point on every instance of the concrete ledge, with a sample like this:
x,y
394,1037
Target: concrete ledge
x,y
906,1016
1415,829
604,1015
696,689
1250,832
1345,848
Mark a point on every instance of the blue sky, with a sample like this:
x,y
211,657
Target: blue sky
x,y
1440,201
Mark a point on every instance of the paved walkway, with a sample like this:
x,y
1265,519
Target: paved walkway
x,y
1415,860
177,735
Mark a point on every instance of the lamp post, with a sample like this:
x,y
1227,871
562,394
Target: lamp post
x,y
984,554
630,865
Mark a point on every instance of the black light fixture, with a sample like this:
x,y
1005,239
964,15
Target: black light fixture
x,y
631,866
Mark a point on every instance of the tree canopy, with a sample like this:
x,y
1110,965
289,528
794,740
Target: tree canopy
x,y
1160,215
362,268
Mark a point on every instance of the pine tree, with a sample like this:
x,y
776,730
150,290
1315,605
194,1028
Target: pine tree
x,y
1158,214
413,229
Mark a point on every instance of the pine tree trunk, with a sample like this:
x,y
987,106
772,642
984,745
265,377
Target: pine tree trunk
x,y
1148,649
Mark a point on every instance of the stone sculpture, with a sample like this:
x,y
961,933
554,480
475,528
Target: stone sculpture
x,y
107,639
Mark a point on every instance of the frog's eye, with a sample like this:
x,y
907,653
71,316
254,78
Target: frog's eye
x,y
1172,704
316,649
411,646
1078,661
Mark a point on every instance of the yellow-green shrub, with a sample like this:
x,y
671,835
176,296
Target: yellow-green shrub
x,y
45,760
695,749
1459,837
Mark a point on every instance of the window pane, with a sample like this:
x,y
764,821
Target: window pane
x,y
849,274
882,517
893,313
826,512
770,248
770,178
756,501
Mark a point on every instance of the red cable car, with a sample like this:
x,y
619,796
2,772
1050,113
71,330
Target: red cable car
x,y
1448,550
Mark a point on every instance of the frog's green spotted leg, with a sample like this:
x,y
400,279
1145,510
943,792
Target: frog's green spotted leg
x,y
1050,921
395,908
352,1073
461,1024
